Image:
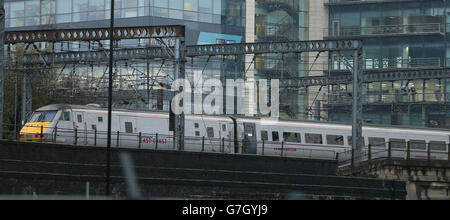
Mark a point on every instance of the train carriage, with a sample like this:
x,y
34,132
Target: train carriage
x,y
87,125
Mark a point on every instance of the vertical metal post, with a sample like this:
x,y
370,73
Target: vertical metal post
x,y
203,144
75,141
118,139
56,134
157,140
370,152
448,152
140,140
282,148
42,134
263,143
95,137
222,148
179,74
390,150
2,37
429,151
357,106
408,151
110,85
87,190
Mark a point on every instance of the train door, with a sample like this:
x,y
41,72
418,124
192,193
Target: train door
x,y
224,134
80,125
128,132
251,143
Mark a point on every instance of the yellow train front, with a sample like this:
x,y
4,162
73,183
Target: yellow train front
x,y
36,128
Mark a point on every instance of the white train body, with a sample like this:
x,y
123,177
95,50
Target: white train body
x,y
87,125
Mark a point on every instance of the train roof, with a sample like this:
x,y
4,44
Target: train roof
x,y
56,107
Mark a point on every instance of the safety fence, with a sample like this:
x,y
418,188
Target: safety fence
x,y
402,150
156,141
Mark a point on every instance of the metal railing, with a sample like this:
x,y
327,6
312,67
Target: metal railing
x,y
395,150
383,98
432,28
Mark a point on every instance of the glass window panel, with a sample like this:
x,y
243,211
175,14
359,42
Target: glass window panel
x,y
210,132
313,138
292,137
176,4
17,9
418,145
275,136
205,6
96,5
264,135
80,6
335,139
438,146
398,143
191,5
63,6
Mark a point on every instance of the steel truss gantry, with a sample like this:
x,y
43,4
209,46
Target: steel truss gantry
x,y
179,52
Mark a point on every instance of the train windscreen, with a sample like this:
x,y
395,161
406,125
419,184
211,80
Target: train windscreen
x,y
43,116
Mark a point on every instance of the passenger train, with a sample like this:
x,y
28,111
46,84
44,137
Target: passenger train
x,y
87,125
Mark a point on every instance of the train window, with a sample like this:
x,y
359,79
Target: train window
x,y
275,136
264,135
292,137
43,116
210,132
335,140
65,116
418,145
313,138
438,146
377,142
128,127
196,125
398,143
79,118
94,127
350,141
197,133
224,127
100,119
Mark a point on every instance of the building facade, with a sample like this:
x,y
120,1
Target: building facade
x,y
396,35
206,21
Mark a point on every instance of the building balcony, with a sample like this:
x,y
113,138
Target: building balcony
x,y
385,30
352,2
388,64
400,97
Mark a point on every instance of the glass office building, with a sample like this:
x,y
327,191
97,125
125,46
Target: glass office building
x,y
206,21
396,35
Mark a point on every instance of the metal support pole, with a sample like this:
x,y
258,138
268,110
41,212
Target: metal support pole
x,y
357,106
75,141
390,150
2,37
179,74
263,143
95,137
203,144
222,147
118,139
408,151
42,134
140,140
157,140
55,134
429,152
282,148
370,153
110,85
